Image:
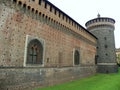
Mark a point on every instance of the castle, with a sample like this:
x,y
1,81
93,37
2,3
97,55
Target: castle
x,y
40,45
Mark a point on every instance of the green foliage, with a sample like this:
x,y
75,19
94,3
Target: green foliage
x,y
118,58
118,64
95,82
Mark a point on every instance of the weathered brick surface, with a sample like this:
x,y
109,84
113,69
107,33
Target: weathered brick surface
x,y
16,25
60,38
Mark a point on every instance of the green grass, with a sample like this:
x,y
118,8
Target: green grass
x,y
94,82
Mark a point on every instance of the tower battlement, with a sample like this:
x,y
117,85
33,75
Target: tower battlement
x,y
100,21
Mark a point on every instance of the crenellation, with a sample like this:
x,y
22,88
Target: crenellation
x,y
100,21
38,42
56,12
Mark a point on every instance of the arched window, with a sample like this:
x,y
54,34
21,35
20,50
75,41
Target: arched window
x,y
35,52
76,57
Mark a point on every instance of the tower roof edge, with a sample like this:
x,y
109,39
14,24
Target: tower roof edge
x,y
100,19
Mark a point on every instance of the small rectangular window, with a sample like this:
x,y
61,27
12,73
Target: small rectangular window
x,y
45,5
50,8
63,17
66,19
55,12
106,46
59,14
106,54
105,38
39,2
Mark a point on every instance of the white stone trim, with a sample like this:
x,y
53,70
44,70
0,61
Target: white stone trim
x,y
25,52
92,30
106,63
73,56
28,39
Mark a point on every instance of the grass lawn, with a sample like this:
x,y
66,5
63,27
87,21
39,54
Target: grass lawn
x,y
94,82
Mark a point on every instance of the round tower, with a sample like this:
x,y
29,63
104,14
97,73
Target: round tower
x,y
103,29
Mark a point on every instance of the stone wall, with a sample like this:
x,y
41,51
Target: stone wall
x,y
29,78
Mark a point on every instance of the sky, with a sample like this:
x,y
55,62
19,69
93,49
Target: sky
x,y
85,10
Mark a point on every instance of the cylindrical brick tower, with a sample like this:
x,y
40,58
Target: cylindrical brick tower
x,y
103,29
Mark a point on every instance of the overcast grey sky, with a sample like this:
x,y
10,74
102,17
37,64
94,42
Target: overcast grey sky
x,y
84,10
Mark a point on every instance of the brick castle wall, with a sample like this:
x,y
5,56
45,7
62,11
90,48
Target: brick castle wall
x,y
60,37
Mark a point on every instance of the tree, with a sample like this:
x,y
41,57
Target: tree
x,y
118,58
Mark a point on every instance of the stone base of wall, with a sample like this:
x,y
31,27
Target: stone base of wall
x,y
107,69
29,78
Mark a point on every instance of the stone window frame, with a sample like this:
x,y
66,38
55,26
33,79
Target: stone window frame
x,y
29,38
76,49
34,52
